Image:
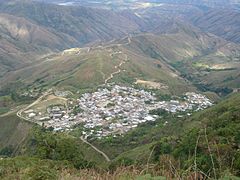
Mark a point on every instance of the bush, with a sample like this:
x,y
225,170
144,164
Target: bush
x,y
7,151
47,145
42,173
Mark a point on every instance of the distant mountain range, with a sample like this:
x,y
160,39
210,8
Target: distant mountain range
x,y
52,52
126,4
33,30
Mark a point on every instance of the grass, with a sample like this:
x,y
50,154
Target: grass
x,y
16,133
4,110
33,168
144,134
88,70
49,100
136,147
91,155
13,131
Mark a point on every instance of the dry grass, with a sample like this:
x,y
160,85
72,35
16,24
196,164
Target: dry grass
x,y
151,84
121,173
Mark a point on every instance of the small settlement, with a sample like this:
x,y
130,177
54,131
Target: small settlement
x,y
114,110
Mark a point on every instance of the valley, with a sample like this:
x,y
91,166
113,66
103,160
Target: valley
x,y
106,112
124,89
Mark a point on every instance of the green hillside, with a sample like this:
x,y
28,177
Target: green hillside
x,y
175,60
13,132
88,67
206,143
18,137
209,139
210,63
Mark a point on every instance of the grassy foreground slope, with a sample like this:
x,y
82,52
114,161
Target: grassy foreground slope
x,y
18,137
13,132
208,144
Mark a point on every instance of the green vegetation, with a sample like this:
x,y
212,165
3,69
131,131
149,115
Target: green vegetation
x,y
173,56
13,131
208,144
46,145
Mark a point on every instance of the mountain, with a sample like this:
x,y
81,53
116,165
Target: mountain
x,y
23,30
141,4
210,3
224,23
119,91
66,27
23,41
184,53
85,25
31,30
202,58
89,67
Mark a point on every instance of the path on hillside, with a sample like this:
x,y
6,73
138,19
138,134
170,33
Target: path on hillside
x,y
118,67
119,70
96,149
19,113
89,48
8,113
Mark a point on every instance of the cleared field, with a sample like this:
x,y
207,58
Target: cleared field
x,y
50,100
151,84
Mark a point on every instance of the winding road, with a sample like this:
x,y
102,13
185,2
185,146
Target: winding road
x,y
96,149
19,113
118,67
119,70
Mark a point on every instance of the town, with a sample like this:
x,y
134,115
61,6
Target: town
x,y
113,110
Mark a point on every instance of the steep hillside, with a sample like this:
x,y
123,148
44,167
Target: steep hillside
x,y
88,67
22,42
19,137
211,134
126,4
13,133
204,59
30,30
169,59
206,144
224,23
85,25
22,30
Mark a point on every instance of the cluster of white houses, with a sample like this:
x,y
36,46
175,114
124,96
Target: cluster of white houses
x,y
116,110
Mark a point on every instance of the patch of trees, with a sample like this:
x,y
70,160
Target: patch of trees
x,y
210,150
7,151
159,112
45,144
223,91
